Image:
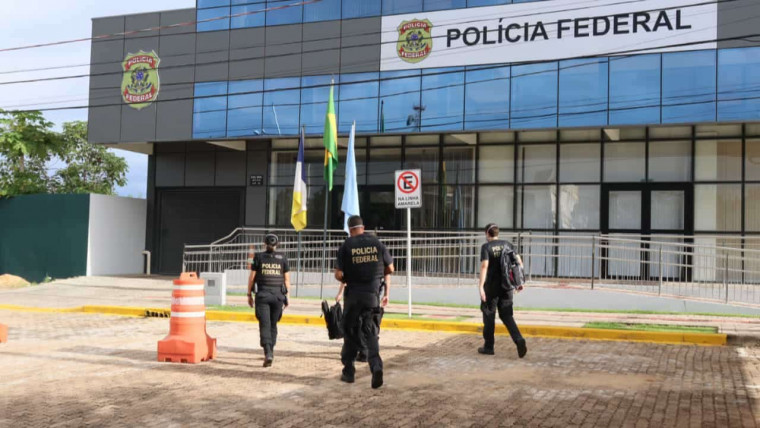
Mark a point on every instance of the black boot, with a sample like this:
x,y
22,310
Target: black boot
x,y
268,355
347,375
485,351
377,379
522,348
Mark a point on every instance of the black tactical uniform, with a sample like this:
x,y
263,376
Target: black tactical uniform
x,y
363,259
497,298
270,268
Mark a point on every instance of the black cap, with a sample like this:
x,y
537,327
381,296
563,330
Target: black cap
x,y
355,221
271,240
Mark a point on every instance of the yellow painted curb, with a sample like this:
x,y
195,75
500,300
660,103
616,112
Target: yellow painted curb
x,y
437,326
566,332
17,308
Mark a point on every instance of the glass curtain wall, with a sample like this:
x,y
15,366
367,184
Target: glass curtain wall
x,y
669,88
545,182
270,12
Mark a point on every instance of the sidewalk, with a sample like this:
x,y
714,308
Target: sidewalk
x,y
156,293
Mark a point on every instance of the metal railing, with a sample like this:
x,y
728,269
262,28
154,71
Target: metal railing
x,y
724,268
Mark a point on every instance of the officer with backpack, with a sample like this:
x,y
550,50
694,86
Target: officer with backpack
x,y
497,292
271,277
362,264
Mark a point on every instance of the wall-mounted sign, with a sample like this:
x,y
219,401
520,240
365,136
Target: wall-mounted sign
x,y
256,180
140,84
546,31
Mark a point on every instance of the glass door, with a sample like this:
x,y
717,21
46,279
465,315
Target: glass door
x,y
624,209
646,212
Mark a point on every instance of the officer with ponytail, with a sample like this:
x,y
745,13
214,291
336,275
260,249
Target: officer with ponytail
x,y
270,282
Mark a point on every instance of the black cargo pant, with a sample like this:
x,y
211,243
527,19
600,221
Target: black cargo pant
x,y
269,304
501,303
363,341
361,325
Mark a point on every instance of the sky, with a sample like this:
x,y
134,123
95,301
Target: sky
x,y
27,22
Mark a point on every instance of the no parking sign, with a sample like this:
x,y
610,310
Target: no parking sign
x,y
408,195
408,189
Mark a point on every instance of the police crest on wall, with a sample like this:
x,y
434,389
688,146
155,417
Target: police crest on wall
x,y
140,84
414,40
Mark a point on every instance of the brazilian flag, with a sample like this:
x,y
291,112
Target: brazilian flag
x,y
331,141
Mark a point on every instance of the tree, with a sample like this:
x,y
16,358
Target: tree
x,y
89,168
27,143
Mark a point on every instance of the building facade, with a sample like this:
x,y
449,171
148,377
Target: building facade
x,y
556,116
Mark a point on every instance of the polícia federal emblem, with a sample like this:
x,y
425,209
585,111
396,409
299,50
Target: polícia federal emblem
x,y
414,40
140,84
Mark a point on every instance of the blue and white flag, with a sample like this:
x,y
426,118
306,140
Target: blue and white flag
x,y
298,214
350,205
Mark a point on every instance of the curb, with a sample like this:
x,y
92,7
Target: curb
x,y
553,332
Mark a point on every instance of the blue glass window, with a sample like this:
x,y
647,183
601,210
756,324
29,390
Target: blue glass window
x,y
210,110
394,7
252,19
244,108
203,4
635,90
443,99
444,4
216,24
739,84
314,96
688,87
361,8
286,15
476,3
583,92
400,100
487,98
358,102
325,10
534,96
281,106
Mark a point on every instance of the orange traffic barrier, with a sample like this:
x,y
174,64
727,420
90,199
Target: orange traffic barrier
x,y
187,341
3,333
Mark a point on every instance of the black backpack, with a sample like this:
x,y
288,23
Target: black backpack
x,y
334,320
512,274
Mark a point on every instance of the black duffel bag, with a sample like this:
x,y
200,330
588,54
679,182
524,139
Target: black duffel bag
x,y
334,320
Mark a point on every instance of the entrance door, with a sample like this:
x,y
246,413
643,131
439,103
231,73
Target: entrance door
x,y
646,211
376,203
378,206
197,217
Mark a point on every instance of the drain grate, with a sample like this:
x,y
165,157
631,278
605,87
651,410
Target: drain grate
x,y
157,314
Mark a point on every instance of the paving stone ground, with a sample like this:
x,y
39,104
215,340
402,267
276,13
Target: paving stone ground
x,y
79,369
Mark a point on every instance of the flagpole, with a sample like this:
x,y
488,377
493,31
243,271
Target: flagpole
x,y
324,246
330,140
298,269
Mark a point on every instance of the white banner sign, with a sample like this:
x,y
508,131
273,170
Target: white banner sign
x,y
546,31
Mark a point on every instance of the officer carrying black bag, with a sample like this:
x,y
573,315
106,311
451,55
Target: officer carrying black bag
x,y
362,264
500,276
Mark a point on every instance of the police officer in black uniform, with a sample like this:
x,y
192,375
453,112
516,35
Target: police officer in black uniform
x,y
493,296
363,263
270,273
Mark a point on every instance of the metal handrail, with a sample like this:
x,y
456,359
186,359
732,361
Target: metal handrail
x,y
676,265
